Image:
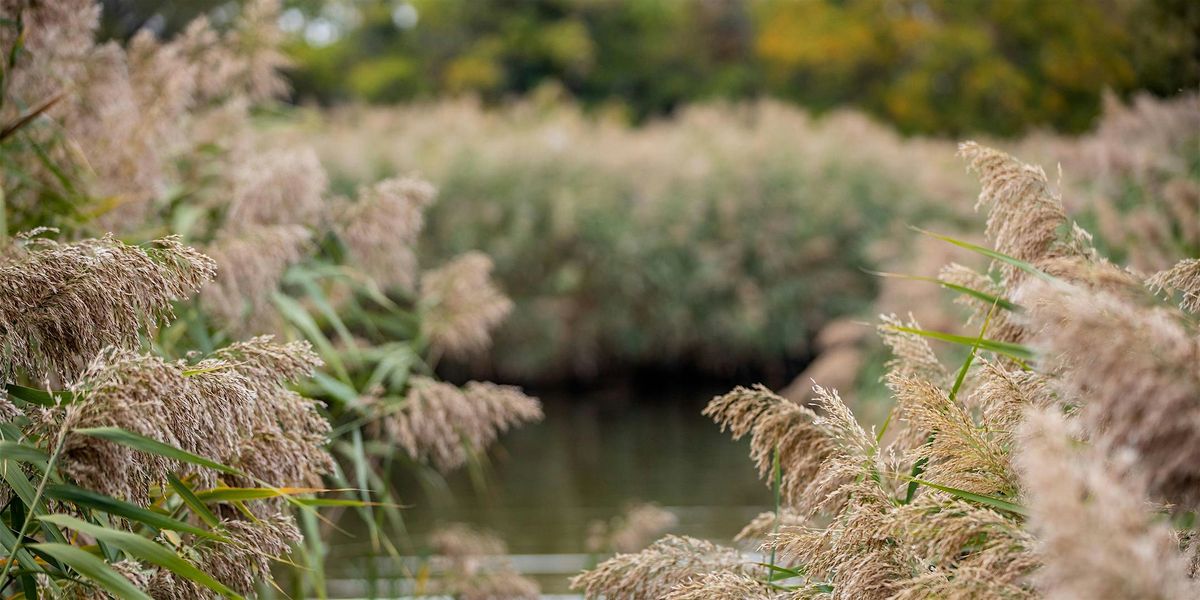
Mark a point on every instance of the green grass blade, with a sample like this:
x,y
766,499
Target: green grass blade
x,y
125,510
962,289
93,568
153,446
297,316
142,549
991,501
189,498
988,252
17,451
8,541
231,494
38,397
1009,349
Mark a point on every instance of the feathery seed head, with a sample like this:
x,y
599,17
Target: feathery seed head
x,y
1183,278
655,571
60,304
723,586
231,408
1023,215
1095,537
380,229
633,530
251,264
443,424
280,187
461,305
1132,369
775,423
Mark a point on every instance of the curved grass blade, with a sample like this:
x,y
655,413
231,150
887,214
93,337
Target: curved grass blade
x,y
991,501
125,510
962,289
1009,349
17,451
153,446
988,252
189,498
8,541
38,397
95,569
232,494
142,549
299,317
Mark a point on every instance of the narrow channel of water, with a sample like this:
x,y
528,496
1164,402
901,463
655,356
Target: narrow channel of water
x,y
593,455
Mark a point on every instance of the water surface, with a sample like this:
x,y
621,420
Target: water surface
x,y
594,454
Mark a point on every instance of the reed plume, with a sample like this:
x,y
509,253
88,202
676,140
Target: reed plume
x,y
761,527
962,550
655,571
1183,278
723,586
1095,536
445,425
231,408
776,424
1131,370
8,410
912,356
633,530
1023,214
277,187
380,229
476,568
959,452
251,265
240,563
1051,477
461,306
61,304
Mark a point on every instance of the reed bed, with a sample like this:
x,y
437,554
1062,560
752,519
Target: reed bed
x,y
690,241
1055,458
207,358
729,235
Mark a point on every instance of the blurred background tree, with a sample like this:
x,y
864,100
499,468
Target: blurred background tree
x,y
928,66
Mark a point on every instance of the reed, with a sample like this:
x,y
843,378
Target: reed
x,y
156,441
1055,461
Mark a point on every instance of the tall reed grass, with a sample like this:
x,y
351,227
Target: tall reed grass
x,y
1055,458
206,357
729,235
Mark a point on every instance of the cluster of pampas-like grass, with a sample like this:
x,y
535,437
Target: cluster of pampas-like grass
x,y
1057,460
147,452
730,205
700,233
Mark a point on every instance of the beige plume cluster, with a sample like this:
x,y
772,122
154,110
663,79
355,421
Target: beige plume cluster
x,y
475,566
444,425
635,528
61,304
1052,477
461,306
124,113
380,229
653,572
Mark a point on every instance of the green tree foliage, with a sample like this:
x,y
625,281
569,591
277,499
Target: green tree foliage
x,y
931,66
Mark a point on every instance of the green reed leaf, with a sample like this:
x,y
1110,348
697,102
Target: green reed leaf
x,y
94,569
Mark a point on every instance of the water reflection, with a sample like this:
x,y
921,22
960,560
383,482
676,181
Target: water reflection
x,y
593,455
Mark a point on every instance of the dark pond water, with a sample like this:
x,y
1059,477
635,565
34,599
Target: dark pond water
x,y
593,455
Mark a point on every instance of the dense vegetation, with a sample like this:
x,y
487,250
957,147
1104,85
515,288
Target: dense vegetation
x,y
1054,461
729,236
941,66
206,359
224,321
